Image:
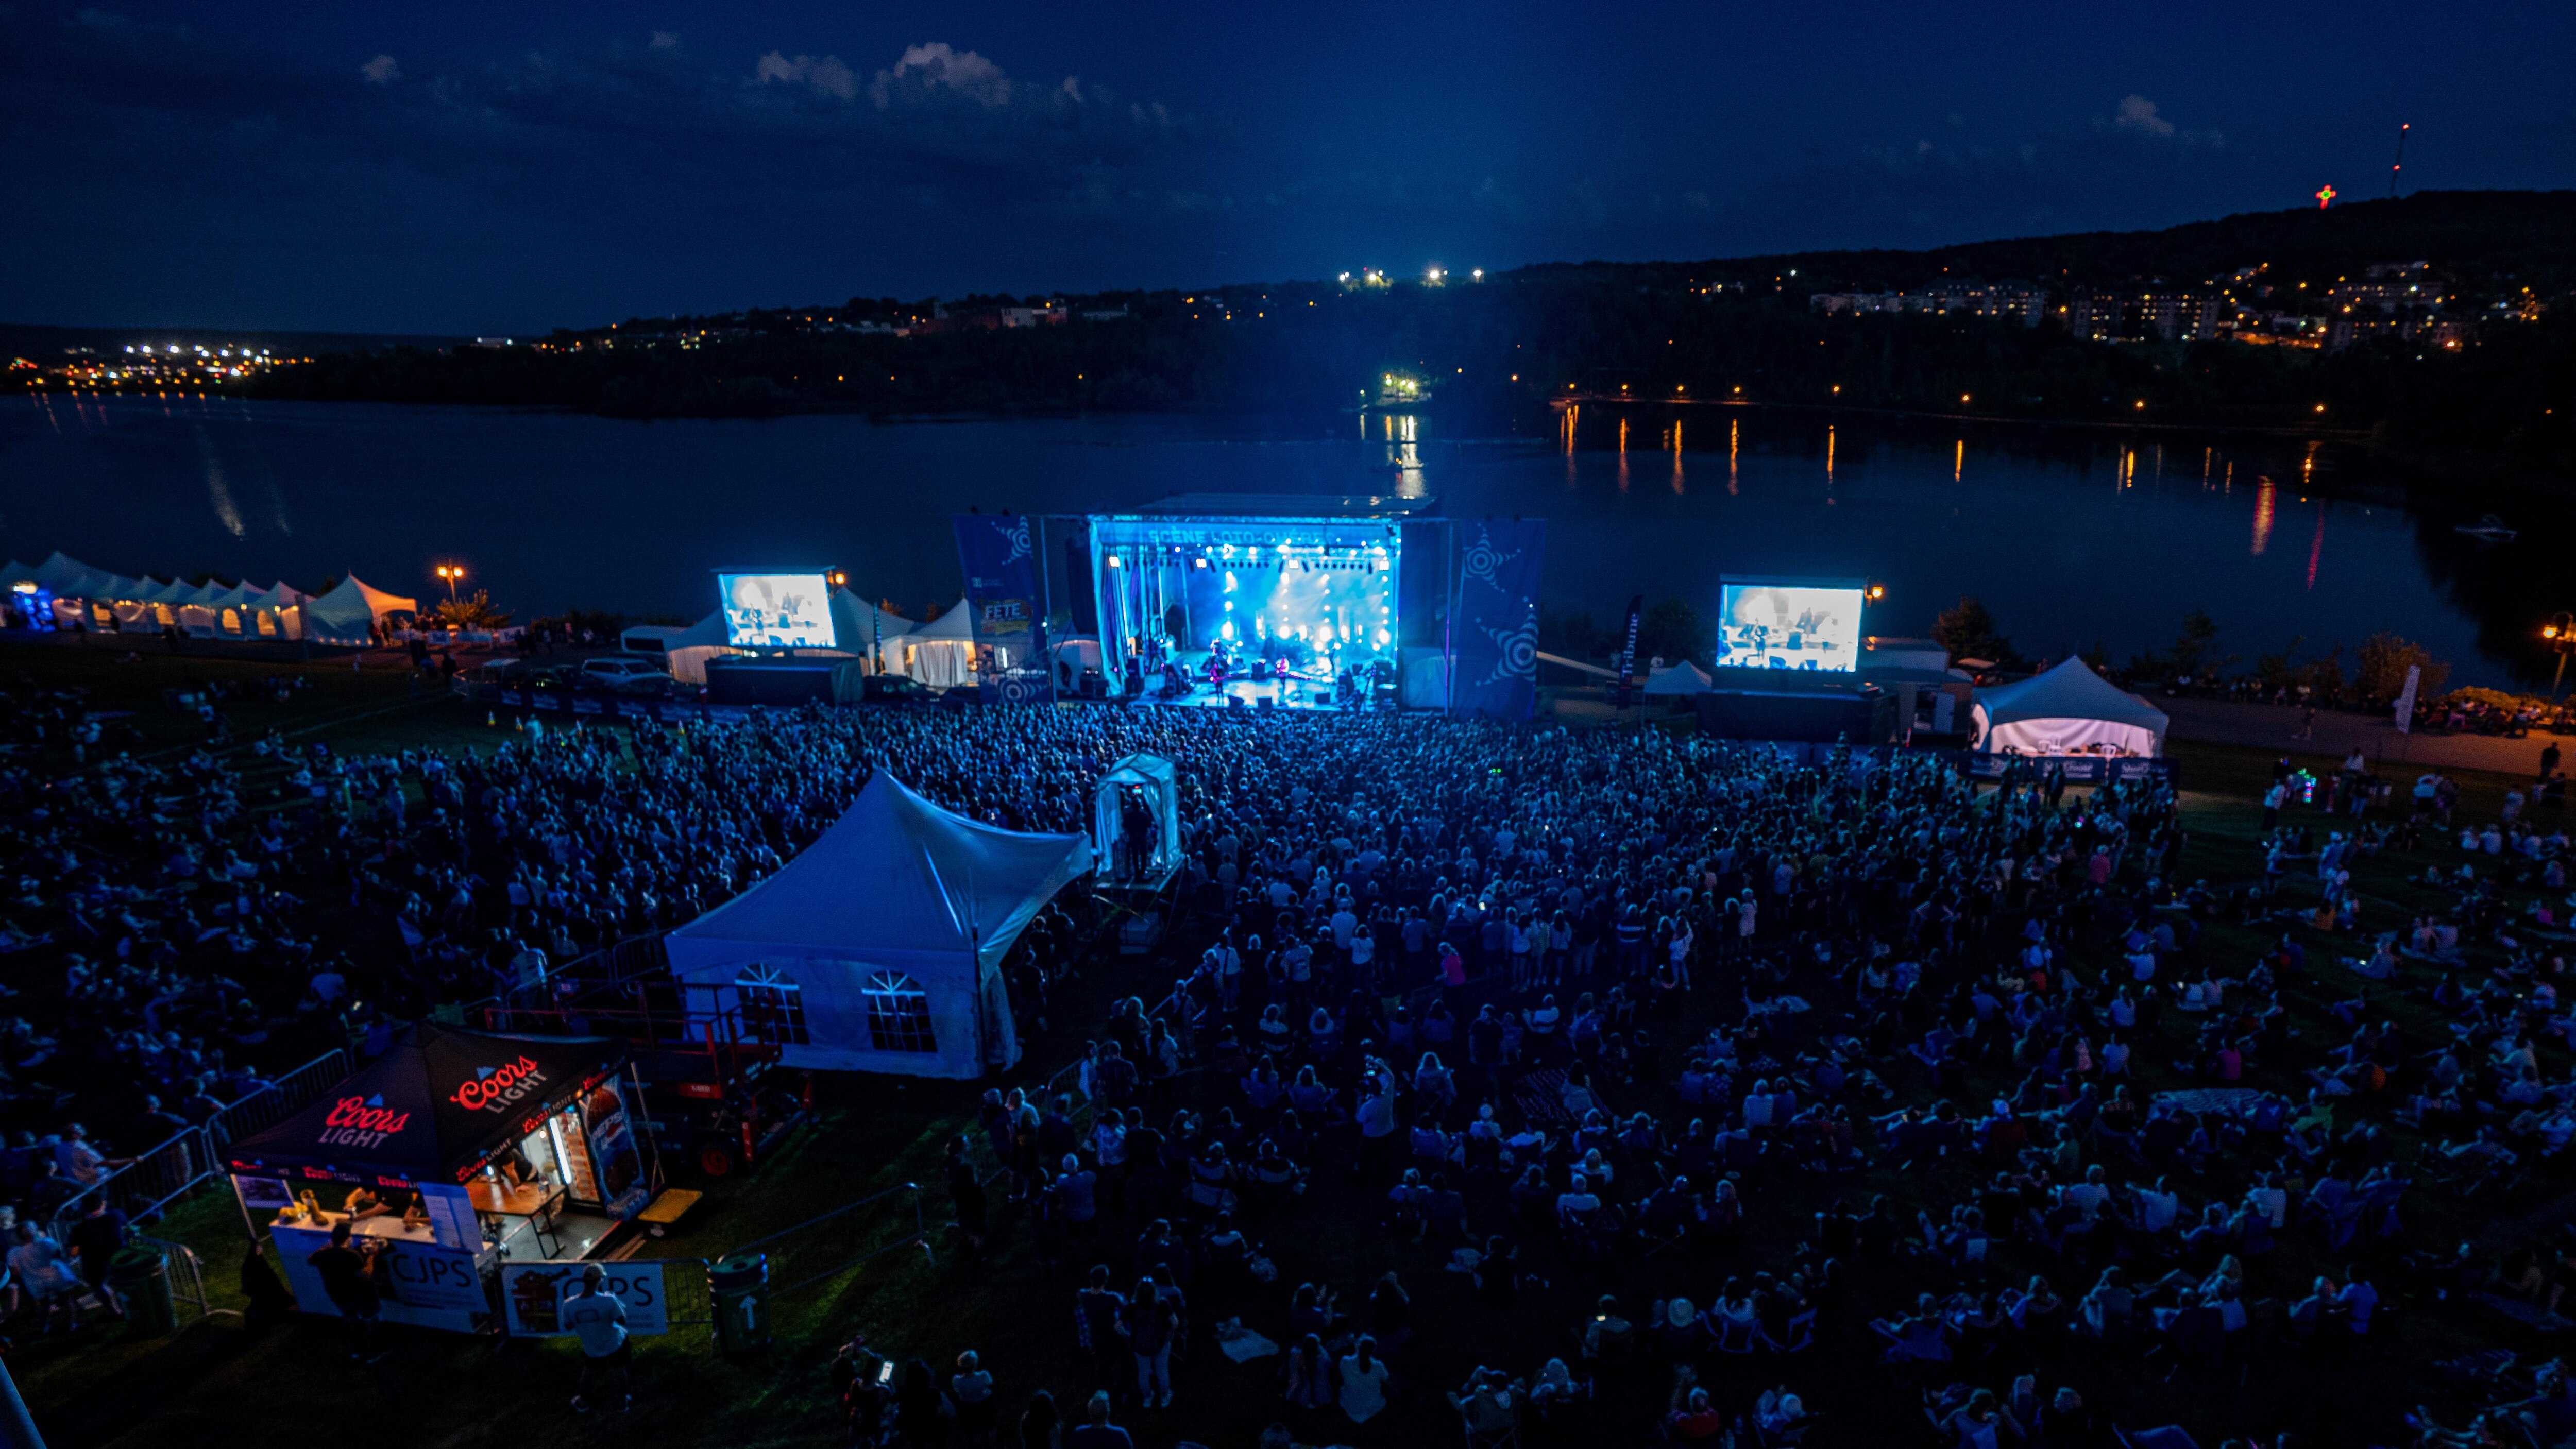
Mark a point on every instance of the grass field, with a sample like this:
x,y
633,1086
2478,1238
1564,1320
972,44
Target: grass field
x,y
296,1386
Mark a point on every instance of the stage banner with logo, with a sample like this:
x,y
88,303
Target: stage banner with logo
x,y
1493,637
532,1296
1000,562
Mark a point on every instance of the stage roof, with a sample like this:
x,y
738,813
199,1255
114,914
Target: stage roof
x,y
1286,505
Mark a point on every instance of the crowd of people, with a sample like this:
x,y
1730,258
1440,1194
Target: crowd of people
x,y
1450,976
1650,1056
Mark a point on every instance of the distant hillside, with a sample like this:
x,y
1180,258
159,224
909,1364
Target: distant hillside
x,y
2481,375
2528,236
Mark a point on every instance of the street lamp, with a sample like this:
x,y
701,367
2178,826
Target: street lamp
x,y
451,573
2560,631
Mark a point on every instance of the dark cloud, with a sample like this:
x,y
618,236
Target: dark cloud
x,y
417,169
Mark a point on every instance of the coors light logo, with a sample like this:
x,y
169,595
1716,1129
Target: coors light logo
x,y
361,1122
494,1088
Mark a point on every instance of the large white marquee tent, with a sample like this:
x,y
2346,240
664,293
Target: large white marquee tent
x,y
879,947
103,600
2069,710
349,613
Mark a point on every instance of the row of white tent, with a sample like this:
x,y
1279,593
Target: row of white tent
x,y
71,593
940,653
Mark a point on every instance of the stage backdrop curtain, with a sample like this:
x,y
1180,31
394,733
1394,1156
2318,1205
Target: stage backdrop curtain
x,y
1494,642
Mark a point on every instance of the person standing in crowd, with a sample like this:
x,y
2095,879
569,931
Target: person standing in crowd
x,y
349,1277
1149,1326
95,1241
598,1318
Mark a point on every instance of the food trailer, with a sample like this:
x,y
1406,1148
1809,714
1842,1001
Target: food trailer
x,y
453,1152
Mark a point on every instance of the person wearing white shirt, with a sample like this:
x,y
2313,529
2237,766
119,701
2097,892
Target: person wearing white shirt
x,y
1364,1376
598,1318
2158,1206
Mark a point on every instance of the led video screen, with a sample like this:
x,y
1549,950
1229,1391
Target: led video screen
x,y
777,611
1788,624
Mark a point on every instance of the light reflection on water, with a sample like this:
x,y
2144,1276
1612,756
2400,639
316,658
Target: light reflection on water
x,y
555,510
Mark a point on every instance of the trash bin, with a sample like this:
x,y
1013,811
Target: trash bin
x,y
739,1290
141,1276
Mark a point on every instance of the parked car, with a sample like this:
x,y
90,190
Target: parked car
x,y
625,674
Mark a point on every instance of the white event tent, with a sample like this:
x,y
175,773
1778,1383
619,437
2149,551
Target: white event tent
x,y
1682,677
1138,790
860,629
879,947
684,650
941,653
2068,710
349,613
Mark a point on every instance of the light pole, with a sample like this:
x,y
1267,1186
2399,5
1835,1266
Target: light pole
x,y
451,573
2560,631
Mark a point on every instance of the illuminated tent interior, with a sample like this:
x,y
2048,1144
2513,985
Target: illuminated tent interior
x,y
941,653
2069,710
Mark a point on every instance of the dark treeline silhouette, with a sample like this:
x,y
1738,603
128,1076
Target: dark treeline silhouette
x,y
1498,352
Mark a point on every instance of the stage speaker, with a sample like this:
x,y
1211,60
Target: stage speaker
x,y
1077,573
1267,701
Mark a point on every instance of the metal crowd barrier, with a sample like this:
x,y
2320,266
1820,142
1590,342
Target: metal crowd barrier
x,y
150,1182
187,1279
279,1100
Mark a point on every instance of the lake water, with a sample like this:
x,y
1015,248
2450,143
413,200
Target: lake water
x,y
2069,537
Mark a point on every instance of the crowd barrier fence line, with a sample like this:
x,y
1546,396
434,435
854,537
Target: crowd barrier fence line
x,y
149,1182
279,1100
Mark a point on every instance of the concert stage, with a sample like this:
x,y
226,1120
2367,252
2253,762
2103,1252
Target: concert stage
x,y
1361,601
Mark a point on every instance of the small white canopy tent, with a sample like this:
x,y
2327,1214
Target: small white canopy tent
x,y
349,613
941,653
288,603
1136,822
2067,711
66,577
860,628
684,650
1683,677
879,947
196,606
246,611
72,584
126,600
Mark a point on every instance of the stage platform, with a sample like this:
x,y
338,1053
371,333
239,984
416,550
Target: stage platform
x,y
1294,694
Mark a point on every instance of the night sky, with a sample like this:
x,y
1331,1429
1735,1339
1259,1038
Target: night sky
x,y
474,167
